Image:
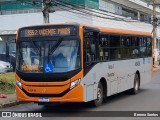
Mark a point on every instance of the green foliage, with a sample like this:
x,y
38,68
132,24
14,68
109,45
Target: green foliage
x,y
7,83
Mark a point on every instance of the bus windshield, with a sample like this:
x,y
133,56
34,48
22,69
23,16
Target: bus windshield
x,y
49,56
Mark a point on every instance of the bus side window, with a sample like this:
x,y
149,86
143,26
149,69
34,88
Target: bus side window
x,y
90,50
103,48
90,47
149,49
142,46
125,49
135,47
115,47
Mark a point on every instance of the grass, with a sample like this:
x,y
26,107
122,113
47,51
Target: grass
x,y
7,83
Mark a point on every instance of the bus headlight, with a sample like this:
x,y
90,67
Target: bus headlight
x,y
19,84
75,83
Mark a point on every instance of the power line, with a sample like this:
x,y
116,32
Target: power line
x,y
50,3
86,12
84,7
85,17
93,10
81,13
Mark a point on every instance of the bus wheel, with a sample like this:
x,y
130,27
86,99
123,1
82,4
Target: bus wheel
x,y
97,102
136,87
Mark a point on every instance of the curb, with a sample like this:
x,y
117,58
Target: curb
x,y
10,104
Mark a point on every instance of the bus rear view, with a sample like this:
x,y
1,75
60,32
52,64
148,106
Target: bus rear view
x,y
48,66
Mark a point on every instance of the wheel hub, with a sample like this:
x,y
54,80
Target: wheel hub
x,y
99,95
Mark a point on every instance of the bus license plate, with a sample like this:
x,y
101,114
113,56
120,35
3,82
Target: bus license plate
x,y
43,99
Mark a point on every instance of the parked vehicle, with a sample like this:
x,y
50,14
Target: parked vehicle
x,y
5,67
9,60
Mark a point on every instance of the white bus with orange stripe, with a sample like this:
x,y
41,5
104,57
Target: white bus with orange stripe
x,y
80,63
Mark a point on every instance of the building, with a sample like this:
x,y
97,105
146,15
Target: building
x,y
128,14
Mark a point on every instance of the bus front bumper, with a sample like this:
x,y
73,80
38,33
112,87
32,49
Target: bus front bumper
x,y
74,95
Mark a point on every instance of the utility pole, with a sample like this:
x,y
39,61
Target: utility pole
x,y
46,9
154,26
154,23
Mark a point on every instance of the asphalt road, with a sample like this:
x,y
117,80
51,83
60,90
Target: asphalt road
x,y
148,99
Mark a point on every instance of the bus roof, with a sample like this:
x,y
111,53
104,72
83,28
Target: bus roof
x,y
120,31
124,31
101,29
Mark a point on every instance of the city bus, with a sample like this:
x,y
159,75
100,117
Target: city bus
x,y
73,62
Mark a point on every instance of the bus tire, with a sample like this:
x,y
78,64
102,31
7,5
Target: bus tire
x,y
136,86
97,102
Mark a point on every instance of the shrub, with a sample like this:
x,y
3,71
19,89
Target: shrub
x,y
7,83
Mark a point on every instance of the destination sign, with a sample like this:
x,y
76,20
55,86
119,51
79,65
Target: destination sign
x,y
39,32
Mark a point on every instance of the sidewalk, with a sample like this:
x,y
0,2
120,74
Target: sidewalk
x,y
10,100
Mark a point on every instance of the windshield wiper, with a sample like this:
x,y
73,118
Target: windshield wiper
x,y
50,52
36,48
